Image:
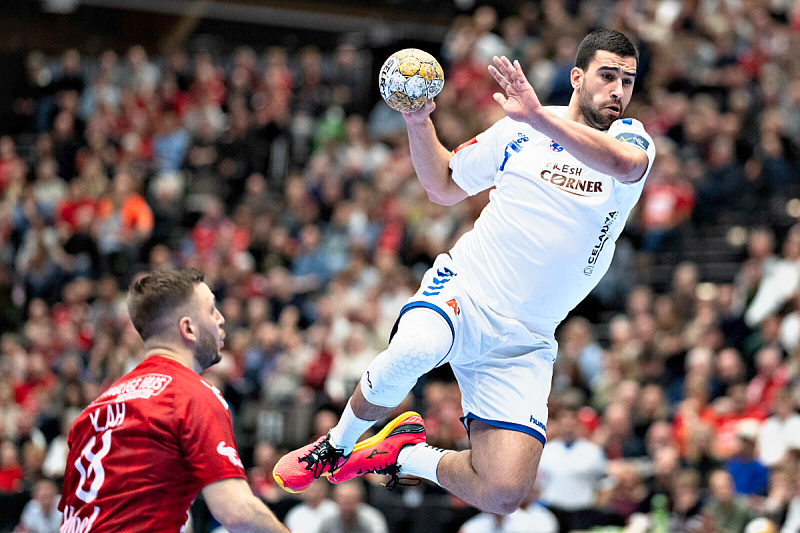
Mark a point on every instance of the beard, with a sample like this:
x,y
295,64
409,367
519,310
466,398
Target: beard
x,y
594,118
207,351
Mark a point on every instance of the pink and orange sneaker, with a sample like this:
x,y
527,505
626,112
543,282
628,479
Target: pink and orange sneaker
x,y
378,454
296,470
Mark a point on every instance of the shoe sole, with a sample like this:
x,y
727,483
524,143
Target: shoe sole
x,y
383,434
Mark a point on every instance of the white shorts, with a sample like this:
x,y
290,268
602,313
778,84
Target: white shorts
x,y
504,370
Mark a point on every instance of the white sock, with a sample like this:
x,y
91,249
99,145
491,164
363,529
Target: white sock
x,y
345,434
420,460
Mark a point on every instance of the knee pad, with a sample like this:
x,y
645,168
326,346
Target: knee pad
x,y
422,342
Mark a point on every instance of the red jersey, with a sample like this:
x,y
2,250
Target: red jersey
x,y
140,453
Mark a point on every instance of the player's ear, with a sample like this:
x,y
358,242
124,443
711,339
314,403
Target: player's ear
x,y
576,77
187,328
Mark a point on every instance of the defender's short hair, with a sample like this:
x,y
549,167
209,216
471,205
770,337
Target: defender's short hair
x,y
154,296
608,40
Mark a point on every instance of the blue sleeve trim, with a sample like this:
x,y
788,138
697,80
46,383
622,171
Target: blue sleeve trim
x,y
433,307
504,425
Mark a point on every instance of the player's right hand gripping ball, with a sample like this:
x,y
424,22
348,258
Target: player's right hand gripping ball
x,y
408,78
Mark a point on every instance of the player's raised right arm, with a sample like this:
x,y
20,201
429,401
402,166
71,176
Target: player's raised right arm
x,y
431,159
235,506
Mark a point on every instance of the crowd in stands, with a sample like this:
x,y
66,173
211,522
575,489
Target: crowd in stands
x,y
275,175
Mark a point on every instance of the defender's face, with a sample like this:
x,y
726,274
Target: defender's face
x,y
211,336
605,88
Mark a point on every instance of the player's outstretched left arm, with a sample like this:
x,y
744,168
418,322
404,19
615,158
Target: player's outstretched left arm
x,y
594,148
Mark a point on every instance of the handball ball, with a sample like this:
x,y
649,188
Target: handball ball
x,y
408,78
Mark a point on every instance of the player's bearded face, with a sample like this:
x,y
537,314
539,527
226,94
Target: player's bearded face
x,y
592,106
207,351
605,89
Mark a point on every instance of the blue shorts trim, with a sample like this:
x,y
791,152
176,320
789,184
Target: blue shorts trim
x,y
504,425
426,305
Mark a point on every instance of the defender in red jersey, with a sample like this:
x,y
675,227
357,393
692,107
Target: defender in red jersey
x,y
141,452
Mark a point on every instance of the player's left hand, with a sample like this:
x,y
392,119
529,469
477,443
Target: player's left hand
x,y
420,115
519,101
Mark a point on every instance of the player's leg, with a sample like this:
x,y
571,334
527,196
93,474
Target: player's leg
x,y
422,341
497,473
504,393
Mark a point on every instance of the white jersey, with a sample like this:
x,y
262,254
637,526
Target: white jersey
x,y
548,233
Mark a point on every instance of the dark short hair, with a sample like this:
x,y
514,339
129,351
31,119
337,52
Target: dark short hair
x,y
154,296
608,40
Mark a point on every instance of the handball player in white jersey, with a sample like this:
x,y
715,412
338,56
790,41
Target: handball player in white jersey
x,y
566,179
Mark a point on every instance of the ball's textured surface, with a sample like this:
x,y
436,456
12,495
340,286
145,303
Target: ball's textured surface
x,y
408,78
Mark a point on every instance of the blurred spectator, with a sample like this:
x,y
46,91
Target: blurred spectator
x,y
687,503
12,167
771,376
616,435
66,137
723,182
733,409
730,369
749,475
667,203
311,265
215,236
48,188
316,508
125,222
666,463
34,98
773,156
778,281
262,355
728,511
581,359
650,410
488,44
779,432
170,143
685,278
70,78
443,407
626,490
33,455
41,514
779,494
103,92
349,363
55,462
348,79
10,468
140,73
42,262
700,452
531,517
353,515
693,411
566,46
571,468
792,522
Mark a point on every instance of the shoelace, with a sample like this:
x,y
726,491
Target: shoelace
x,y
322,456
393,470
